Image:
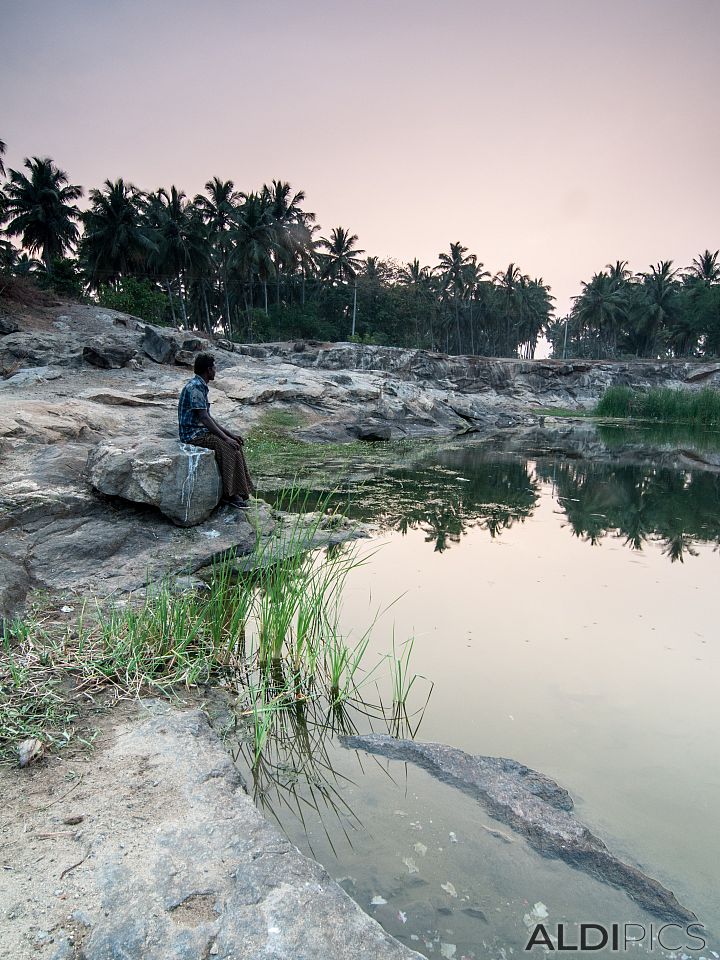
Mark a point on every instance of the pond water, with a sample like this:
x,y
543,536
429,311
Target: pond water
x,y
566,614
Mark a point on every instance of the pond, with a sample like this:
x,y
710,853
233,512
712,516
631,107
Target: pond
x,y
565,612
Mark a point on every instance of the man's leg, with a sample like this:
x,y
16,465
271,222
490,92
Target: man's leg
x,y
235,476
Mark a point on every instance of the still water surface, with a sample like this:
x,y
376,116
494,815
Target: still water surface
x,y
566,614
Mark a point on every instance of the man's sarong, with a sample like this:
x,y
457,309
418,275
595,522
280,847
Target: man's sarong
x,y
233,469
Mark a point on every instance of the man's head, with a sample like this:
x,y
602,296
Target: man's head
x,y
205,366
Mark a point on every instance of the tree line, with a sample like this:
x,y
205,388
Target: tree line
x,y
663,312
255,266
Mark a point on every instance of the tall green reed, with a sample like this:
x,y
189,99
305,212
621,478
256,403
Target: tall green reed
x,y
700,408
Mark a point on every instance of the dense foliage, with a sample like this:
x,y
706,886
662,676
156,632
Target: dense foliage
x,y
255,266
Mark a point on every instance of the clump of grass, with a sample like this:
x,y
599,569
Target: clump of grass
x,y
698,408
34,701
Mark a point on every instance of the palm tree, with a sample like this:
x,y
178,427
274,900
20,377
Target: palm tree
x,y
179,241
40,209
342,261
413,275
290,224
602,304
705,267
452,267
661,288
2,154
25,266
218,210
509,283
116,241
536,310
254,244
472,276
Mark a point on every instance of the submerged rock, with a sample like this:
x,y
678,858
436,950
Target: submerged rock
x,y
181,480
536,807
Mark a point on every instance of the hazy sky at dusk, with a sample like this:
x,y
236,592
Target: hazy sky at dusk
x,y
560,134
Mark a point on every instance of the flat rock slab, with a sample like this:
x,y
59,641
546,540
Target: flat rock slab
x,y
177,862
536,807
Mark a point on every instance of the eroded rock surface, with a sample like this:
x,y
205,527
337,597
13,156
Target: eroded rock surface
x,y
536,807
568,383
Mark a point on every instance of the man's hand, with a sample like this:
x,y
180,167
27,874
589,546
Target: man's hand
x,y
234,442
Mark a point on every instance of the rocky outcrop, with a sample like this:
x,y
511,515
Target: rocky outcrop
x,y
573,383
181,480
38,349
536,807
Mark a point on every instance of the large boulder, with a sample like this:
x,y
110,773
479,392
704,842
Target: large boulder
x,y
108,353
37,349
160,347
179,479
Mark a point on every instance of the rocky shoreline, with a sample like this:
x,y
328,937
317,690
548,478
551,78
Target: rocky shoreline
x,y
149,848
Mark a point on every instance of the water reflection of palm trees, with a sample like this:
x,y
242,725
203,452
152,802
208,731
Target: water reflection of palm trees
x,y
476,488
638,503
444,502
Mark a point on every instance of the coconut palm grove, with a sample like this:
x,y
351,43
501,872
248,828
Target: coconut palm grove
x,y
256,266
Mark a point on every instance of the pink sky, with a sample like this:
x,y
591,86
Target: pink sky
x,y
559,134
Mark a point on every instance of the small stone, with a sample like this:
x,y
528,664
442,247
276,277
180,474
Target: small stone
x,y
30,750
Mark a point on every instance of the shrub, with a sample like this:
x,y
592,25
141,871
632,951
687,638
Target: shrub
x,y
140,298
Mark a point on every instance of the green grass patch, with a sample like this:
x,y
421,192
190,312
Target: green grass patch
x,y
698,408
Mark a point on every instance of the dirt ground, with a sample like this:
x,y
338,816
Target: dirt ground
x,y
49,811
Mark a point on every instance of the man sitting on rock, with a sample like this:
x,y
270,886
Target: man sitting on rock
x,y
200,429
